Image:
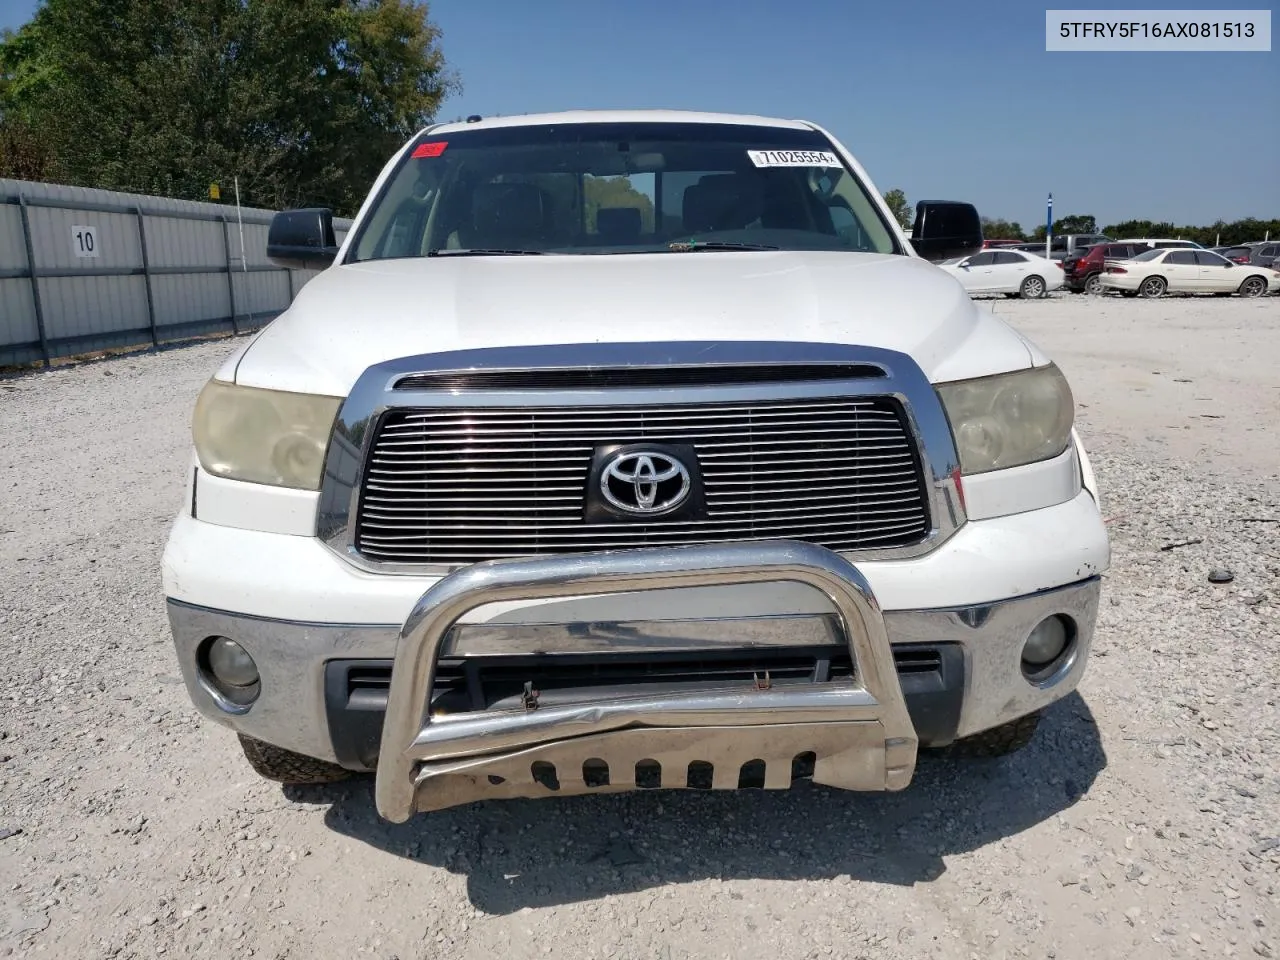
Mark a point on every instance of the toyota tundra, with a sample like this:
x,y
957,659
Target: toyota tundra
x,y
621,450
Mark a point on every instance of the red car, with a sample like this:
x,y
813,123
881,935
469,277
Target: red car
x,y
1082,274
1001,243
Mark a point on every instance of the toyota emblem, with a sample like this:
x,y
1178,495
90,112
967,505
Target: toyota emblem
x,y
645,483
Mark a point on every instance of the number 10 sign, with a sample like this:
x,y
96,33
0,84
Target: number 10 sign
x,y
84,241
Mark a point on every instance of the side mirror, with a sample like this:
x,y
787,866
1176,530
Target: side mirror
x,y
302,239
945,229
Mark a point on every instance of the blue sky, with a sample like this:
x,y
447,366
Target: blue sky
x,y
946,100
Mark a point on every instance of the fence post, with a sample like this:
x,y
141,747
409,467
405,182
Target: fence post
x,y
35,283
146,275
231,277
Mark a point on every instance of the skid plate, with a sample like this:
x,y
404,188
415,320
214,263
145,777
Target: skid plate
x,y
851,755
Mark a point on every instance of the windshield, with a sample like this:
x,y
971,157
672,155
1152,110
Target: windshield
x,y
591,188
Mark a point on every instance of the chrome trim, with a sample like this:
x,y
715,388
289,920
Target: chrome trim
x,y
992,634
375,393
651,636
428,762
291,656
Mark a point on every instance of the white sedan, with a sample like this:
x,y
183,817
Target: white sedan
x,y
1013,272
1157,272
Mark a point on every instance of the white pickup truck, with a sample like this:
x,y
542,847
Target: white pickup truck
x,y
624,450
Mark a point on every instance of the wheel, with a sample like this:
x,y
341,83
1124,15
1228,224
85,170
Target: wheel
x,y
1032,288
1253,287
285,766
1153,288
998,741
1093,285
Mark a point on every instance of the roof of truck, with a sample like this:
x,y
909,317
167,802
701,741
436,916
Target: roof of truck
x,y
617,116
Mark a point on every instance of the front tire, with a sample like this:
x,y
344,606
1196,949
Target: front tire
x,y
1253,287
998,741
285,766
1153,288
1093,286
1033,288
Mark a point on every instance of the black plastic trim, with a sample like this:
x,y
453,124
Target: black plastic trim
x,y
931,674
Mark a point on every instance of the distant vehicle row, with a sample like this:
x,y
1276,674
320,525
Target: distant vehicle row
x,y
1147,268
1071,245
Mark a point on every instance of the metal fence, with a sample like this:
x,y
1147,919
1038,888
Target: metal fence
x,y
83,271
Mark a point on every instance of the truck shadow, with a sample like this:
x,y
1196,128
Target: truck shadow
x,y
537,853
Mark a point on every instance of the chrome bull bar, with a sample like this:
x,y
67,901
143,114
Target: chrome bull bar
x,y
857,731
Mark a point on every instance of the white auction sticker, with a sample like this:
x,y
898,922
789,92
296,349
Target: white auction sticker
x,y
793,158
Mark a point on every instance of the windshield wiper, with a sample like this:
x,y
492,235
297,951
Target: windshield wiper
x,y
688,246
483,252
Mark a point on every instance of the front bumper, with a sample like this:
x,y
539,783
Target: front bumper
x,y
977,682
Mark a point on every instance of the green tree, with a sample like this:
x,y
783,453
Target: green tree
x,y
303,100
902,212
1002,229
1076,223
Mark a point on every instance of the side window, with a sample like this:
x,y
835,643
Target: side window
x,y
982,259
1005,257
1181,258
1207,259
1270,252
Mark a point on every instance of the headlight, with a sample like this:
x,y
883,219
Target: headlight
x,y
1010,419
263,436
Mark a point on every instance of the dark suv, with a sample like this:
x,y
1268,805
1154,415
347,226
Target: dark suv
x,y
1082,274
1265,253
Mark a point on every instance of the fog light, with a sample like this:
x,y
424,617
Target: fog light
x,y
231,664
1046,643
228,674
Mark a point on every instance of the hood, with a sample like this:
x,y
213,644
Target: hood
x,y
352,316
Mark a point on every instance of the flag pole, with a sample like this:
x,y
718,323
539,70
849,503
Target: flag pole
x,y
1048,228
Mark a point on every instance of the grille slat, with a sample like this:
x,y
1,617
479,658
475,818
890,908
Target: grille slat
x,y
731,413
558,527
432,465
450,485
375,509
797,431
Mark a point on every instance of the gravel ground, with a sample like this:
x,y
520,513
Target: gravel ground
x,y
1144,820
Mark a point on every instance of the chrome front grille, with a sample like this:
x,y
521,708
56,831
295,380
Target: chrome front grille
x,y
451,485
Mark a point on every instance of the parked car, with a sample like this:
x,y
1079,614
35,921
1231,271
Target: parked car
x,y
991,244
1072,244
1013,272
1084,274
866,492
1162,243
1064,247
1234,254
1157,272
1263,253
